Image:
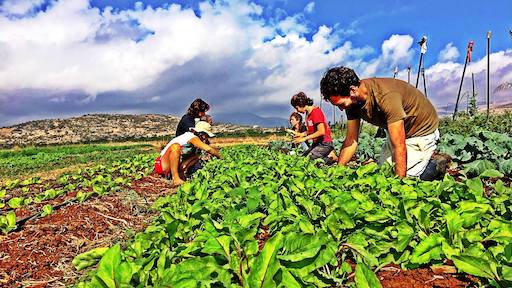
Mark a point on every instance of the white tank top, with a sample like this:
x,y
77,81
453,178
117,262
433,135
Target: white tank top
x,y
183,140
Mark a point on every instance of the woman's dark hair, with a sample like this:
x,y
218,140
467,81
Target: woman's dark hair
x,y
297,116
197,106
301,100
337,81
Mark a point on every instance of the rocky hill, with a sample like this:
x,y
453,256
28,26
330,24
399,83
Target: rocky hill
x,y
97,127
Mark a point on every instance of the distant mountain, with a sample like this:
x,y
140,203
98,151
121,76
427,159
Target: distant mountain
x,y
250,119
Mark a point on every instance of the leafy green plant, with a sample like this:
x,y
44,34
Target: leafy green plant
x,y
259,218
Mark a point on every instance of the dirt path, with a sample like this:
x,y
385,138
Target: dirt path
x,y
40,254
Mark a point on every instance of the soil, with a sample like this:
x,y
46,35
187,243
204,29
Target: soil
x,y
392,276
40,254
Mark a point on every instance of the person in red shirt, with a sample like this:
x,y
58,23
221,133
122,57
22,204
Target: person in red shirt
x,y
318,129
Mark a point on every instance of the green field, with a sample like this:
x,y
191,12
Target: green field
x,y
26,161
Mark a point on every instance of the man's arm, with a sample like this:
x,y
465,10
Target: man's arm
x,y
201,145
350,144
319,132
396,132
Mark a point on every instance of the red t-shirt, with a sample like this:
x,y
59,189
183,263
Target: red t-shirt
x,y
312,120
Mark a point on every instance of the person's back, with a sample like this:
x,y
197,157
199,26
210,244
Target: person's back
x,y
390,100
196,110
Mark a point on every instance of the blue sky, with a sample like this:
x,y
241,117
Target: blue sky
x,y
67,58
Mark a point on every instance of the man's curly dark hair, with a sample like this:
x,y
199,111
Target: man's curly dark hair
x,y
337,81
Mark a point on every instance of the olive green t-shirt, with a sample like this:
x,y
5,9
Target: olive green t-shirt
x,y
390,100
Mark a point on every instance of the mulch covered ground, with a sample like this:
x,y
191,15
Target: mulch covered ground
x,y
392,276
40,254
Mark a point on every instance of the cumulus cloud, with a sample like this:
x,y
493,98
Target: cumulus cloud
x,y
74,59
19,7
396,51
310,7
449,53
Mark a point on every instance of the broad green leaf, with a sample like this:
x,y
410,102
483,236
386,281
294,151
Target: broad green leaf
x,y
247,220
266,264
123,275
298,247
476,266
428,249
287,279
405,234
506,272
366,169
15,202
365,278
475,186
89,258
491,173
47,210
218,245
366,256
107,267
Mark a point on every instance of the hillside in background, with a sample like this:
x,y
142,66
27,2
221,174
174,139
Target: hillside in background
x,y
98,127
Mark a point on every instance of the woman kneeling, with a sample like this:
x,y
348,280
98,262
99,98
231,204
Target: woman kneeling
x,y
183,152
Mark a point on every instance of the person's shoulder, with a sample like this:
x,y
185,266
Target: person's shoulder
x,y
317,110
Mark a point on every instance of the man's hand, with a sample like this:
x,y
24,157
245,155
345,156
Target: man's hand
x,y
350,144
396,132
215,153
299,139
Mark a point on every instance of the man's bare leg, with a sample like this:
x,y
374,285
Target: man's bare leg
x,y
189,162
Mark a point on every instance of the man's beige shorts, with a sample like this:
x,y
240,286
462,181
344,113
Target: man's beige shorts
x,y
419,151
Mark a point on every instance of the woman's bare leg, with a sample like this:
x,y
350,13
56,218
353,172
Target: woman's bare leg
x,y
171,161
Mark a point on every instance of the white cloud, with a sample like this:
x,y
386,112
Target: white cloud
x,y
310,7
449,53
74,57
19,7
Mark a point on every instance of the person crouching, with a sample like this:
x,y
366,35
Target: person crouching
x,y
183,152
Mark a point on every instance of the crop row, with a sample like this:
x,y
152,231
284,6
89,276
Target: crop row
x,y
94,181
474,152
259,218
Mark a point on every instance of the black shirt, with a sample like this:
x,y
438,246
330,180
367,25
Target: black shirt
x,y
185,124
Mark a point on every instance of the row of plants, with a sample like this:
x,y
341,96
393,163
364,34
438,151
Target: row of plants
x,y
15,163
473,153
90,182
368,147
259,218
479,151
465,124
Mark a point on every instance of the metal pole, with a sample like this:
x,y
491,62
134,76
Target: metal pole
x,y
423,50
488,68
473,84
419,69
460,87
424,81
409,74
